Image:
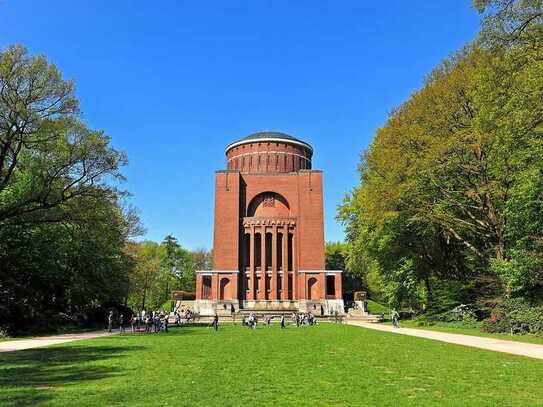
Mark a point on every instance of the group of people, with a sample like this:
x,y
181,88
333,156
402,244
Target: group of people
x,y
153,322
298,319
186,314
306,318
157,321
251,321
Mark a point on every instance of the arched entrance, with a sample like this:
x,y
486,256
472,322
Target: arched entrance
x,y
312,289
206,287
224,288
269,205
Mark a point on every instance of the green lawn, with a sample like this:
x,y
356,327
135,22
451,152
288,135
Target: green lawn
x,y
323,365
444,327
376,308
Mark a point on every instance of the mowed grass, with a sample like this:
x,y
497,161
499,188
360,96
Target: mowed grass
x,y
324,365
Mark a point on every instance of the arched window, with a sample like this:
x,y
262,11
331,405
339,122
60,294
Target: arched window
x,y
268,204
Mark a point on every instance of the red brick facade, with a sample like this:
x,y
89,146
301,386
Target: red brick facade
x,y
269,232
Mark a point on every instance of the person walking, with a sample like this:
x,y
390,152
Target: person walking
x,y
121,323
282,321
110,321
215,323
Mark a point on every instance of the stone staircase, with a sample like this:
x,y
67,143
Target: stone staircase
x,y
361,314
371,318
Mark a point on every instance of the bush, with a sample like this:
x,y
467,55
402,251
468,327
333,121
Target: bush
x,y
515,316
461,316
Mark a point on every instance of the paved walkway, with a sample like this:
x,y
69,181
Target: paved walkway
x,y
498,345
40,341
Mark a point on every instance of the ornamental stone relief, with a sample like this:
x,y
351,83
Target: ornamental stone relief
x,y
269,221
269,201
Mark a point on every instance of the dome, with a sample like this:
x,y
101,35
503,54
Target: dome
x,y
269,136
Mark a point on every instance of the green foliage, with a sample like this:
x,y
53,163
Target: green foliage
x,y
377,308
161,269
516,316
336,255
520,272
450,189
63,223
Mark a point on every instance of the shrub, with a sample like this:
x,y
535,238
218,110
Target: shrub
x,y
515,316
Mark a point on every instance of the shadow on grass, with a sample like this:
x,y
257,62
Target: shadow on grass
x,y
27,377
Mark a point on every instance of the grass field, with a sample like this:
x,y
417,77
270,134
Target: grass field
x,y
319,366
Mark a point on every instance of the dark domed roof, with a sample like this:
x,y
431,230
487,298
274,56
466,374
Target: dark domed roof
x,y
268,136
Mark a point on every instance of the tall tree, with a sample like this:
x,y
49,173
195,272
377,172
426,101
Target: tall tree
x,y
63,223
47,156
451,186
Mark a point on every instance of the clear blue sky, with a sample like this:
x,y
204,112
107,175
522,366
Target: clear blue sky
x,y
173,82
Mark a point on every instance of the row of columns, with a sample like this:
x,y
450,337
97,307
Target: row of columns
x,y
259,293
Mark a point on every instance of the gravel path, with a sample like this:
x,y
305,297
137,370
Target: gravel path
x,y
498,345
40,341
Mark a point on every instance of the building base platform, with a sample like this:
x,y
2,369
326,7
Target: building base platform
x,y
229,307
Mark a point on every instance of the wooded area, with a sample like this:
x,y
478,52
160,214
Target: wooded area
x,y
66,231
449,209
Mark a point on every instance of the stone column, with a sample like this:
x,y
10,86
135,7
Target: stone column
x,y
294,264
215,286
199,286
262,288
273,285
251,295
234,286
284,295
339,286
322,284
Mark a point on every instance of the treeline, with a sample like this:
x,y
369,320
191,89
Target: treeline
x,y
161,269
449,209
66,249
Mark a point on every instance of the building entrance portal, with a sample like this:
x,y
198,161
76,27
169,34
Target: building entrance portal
x,y
312,288
268,250
224,289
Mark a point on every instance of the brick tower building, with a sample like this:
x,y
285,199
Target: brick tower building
x,y
268,250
